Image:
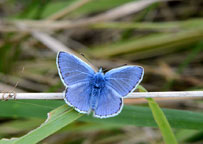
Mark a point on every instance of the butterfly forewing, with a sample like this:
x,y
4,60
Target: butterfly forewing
x,y
72,70
124,80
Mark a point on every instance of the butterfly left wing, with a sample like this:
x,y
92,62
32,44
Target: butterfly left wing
x,y
76,76
124,80
77,96
73,70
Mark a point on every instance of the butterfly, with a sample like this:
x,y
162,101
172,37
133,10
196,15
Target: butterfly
x,y
101,93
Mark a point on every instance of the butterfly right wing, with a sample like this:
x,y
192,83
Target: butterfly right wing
x,y
76,76
124,80
119,83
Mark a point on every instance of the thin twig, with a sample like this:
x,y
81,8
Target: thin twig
x,y
23,83
46,96
51,42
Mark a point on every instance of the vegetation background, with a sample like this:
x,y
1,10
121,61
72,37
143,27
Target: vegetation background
x,y
165,37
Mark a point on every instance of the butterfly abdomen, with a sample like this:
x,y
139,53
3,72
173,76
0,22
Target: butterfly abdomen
x,y
93,98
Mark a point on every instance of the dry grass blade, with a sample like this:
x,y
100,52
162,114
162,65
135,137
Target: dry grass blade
x,y
56,45
119,12
68,9
6,88
51,42
7,28
124,10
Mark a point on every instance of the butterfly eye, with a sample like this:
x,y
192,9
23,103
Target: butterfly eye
x,y
96,86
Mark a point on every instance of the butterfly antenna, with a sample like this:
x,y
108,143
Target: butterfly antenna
x,y
104,69
123,65
85,57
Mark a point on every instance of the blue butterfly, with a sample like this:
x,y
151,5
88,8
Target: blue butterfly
x,y
87,90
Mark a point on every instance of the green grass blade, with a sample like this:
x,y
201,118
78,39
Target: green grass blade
x,y
184,25
142,116
130,115
194,52
18,126
28,108
160,119
158,44
8,141
162,122
56,120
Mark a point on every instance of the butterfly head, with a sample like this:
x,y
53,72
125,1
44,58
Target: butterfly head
x,y
100,70
98,80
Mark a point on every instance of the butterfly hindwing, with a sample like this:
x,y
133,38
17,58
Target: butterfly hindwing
x,y
109,104
125,79
77,96
72,70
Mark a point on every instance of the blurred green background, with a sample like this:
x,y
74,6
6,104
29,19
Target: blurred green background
x,y
166,38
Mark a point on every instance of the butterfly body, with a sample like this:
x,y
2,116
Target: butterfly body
x,y
87,90
97,85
